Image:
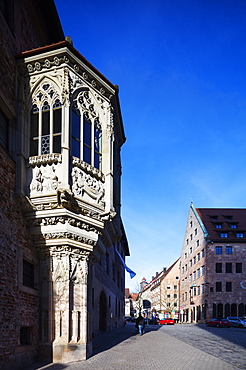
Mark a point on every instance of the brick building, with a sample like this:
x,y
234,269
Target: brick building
x,y
213,267
61,133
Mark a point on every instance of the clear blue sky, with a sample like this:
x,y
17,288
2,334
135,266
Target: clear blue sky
x,y
181,69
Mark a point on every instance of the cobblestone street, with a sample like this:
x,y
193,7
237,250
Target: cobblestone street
x,y
182,346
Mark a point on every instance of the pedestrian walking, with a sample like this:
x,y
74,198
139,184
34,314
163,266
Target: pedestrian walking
x,y
140,323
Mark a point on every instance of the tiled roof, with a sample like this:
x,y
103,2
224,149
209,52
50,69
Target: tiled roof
x,y
224,224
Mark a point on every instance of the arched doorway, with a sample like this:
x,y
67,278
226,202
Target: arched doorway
x,y
220,311
103,312
234,309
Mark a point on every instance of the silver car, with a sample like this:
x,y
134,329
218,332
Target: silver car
x,y
239,322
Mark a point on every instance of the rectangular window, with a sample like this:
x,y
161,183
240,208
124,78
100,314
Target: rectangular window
x,y
3,130
228,250
195,231
239,267
25,335
203,253
198,273
218,267
203,288
218,250
239,235
194,260
197,243
190,263
203,270
218,286
198,290
190,277
198,257
28,274
233,226
194,275
224,235
228,267
175,287
218,226
228,286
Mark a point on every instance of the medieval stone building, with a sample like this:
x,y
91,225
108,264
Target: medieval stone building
x,y
61,133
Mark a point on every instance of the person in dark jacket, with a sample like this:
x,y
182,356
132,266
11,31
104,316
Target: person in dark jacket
x,y
140,324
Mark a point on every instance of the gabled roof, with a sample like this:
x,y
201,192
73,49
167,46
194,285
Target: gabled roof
x,y
220,222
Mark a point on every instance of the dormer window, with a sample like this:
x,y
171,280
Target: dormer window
x,y
218,226
224,235
233,226
214,218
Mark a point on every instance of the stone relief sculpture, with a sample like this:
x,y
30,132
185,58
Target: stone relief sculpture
x,y
45,180
88,187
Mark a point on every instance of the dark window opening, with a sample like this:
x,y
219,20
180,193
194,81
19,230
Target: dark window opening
x,y
218,286
25,335
228,286
239,267
229,267
28,274
218,267
3,130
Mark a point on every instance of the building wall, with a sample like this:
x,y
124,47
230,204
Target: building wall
x,y
55,232
199,298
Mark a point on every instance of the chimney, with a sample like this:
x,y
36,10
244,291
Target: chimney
x,y
164,269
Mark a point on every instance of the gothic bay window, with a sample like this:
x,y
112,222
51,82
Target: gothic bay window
x,y
86,138
46,129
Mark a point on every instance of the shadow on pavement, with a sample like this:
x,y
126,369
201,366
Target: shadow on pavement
x,y
107,340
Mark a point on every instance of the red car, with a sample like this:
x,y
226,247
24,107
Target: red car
x,y
166,321
219,323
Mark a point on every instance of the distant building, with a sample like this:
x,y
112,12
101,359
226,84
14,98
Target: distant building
x,y
61,133
160,297
130,299
213,264
169,291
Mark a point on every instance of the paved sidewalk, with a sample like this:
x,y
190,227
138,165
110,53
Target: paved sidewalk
x,y
155,350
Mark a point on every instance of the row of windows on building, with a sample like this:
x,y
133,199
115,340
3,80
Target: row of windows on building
x,y
193,261
197,290
220,249
199,255
46,133
229,267
105,263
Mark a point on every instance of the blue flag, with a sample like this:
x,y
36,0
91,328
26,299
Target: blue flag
x,y
132,273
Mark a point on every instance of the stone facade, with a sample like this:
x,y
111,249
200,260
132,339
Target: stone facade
x,y
62,281
213,270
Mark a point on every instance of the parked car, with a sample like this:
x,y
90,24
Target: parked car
x,y
130,319
166,321
239,322
219,323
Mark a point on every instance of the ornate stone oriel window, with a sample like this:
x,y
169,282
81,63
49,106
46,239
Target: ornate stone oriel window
x,y
46,125
86,138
